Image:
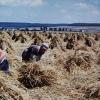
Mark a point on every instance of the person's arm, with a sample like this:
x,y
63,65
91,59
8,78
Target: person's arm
x,y
2,55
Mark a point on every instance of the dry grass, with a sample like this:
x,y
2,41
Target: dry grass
x,y
54,41
6,92
92,91
19,37
31,77
65,72
83,60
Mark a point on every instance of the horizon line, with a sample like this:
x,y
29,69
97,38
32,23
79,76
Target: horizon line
x,y
53,23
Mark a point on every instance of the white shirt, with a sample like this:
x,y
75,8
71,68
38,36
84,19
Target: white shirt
x,y
3,56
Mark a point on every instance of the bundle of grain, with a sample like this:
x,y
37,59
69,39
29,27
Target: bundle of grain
x,y
70,44
49,36
54,42
92,91
89,42
19,37
37,41
31,77
83,60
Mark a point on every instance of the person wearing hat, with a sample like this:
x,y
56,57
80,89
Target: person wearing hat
x,y
34,52
4,66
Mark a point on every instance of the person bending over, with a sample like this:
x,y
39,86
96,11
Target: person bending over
x,y
34,52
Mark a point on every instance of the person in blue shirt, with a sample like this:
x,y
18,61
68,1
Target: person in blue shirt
x,y
34,51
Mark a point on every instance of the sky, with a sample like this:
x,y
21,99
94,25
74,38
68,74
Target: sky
x,y
50,11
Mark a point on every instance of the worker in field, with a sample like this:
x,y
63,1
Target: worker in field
x,y
4,66
34,52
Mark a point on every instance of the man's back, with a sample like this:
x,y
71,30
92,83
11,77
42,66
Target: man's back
x,y
34,49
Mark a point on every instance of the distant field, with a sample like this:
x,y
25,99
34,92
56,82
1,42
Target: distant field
x,y
77,27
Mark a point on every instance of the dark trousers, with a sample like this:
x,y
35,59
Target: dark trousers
x,y
4,65
26,56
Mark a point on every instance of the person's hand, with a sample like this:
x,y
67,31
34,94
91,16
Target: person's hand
x,y
34,57
8,73
38,58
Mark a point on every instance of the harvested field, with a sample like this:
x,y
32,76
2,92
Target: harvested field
x,y
69,70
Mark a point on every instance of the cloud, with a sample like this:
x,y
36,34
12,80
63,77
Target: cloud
x,y
81,5
6,13
21,2
87,8
65,15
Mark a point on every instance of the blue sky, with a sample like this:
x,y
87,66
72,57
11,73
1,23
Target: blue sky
x,y
50,11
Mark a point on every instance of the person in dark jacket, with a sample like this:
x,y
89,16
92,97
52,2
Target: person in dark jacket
x,y
34,52
4,66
